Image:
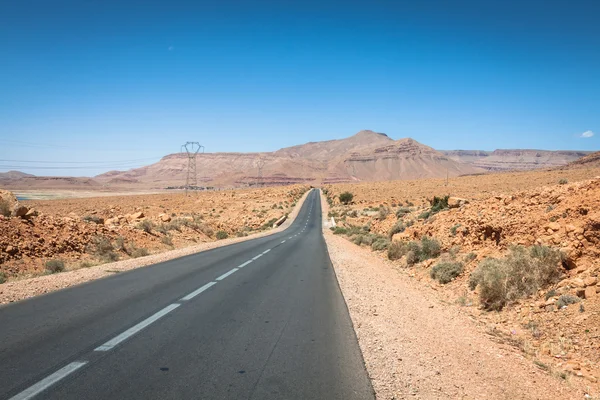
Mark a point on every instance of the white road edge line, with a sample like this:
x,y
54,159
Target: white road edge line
x,y
226,274
50,380
244,264
266,251
256,257
135,329
283,241
197,291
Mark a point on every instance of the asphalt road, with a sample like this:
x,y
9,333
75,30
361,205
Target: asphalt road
x,y
262,319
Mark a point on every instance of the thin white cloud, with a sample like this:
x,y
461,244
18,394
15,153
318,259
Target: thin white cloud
x,y
587,134
171,48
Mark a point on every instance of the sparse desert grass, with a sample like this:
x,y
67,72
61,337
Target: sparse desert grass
x,y
2,277
521,273
222,235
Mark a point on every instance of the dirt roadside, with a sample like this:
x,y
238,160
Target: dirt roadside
x,y
417,346
21,289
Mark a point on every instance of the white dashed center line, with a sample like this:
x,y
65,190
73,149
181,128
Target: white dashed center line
x,y
198,291
135,329
226,274
244,264
49,381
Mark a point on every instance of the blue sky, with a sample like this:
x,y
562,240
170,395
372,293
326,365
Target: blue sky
x,y
126,82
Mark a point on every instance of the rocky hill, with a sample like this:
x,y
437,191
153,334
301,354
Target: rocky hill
x,y
365,156
514,159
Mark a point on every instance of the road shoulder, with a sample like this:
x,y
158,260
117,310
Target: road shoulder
x,y
415,346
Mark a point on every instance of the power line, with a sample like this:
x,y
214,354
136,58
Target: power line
x,y
82,162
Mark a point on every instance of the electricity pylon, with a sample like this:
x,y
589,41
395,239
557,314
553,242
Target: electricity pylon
x,y
259,164
191,148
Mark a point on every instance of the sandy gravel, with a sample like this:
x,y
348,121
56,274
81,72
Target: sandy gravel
x,y
18,290
416,346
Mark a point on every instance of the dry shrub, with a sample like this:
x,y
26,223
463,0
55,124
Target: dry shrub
x,y
139,252
54,266
522,273
396,250
145,225
445,272
380,244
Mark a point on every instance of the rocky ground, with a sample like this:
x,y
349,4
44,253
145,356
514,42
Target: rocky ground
x,y
554,322
67,234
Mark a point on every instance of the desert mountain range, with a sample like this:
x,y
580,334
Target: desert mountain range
x,y
365,156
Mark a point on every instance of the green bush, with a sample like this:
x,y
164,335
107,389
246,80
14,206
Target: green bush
x,y
94,219
563,181
380,244
139,252
145,225
346,197
396,250
402,211
445,272
439,203
2,277
54,266
167,240
397,228
521,273
412,257
470,257
102,248
340,230
430,248
424,215
383,213
222,235
565,300
357,239
4,208
453,229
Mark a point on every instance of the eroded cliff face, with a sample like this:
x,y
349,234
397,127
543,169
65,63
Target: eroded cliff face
x,y
514,159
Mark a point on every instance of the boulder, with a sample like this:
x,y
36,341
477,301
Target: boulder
x,y
31,213
137,215
9,202
20,211
165,217
555,226
590,281
590,292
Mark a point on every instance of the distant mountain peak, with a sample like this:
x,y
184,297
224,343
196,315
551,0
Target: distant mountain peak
x,y
367,133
